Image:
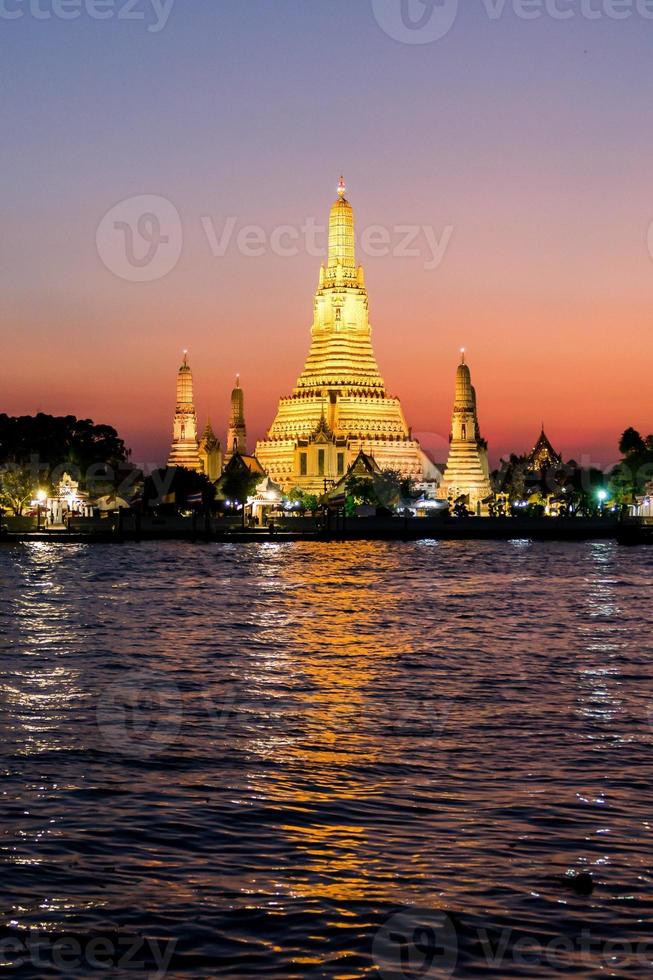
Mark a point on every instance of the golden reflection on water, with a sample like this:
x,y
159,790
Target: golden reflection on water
x,y
345,654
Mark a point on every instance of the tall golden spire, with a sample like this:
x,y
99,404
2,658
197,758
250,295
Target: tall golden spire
x,y
184,440
342,247
341,352
467,472
465,401
339,406
185,383
237,433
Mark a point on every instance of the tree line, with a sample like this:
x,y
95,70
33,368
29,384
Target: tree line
x,y
35,452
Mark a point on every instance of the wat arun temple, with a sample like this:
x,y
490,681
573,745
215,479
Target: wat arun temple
x,y
339,412
340,406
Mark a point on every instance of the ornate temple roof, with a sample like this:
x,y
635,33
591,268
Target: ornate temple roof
x,y
239,461
209,439
322,428
364,467
543,455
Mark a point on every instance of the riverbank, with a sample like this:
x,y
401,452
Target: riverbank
x,y
336,529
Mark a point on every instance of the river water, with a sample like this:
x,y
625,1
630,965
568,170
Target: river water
x,y
326,760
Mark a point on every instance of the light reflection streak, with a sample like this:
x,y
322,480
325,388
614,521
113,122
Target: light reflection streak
x,y
38,701
599,673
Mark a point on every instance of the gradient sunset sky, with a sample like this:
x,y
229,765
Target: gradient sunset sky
x,y
532,140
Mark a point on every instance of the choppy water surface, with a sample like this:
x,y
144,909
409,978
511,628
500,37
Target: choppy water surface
x,y
319,760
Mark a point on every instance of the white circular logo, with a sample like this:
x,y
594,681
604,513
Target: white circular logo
x,y
415,21
140,239
416,943
140,714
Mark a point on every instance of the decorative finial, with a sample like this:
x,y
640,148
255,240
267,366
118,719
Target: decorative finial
x,y
238,380
185,358
462,353
342,187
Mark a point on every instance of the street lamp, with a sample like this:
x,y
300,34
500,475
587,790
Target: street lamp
x,y
603,496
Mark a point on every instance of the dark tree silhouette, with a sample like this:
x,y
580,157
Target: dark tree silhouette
x,y
47,446
631,442
172,486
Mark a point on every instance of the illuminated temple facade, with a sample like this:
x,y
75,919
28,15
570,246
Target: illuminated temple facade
x,y
467,472
201,455
184,450
339,406
237,431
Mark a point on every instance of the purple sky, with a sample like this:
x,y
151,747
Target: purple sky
x,y
530,140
